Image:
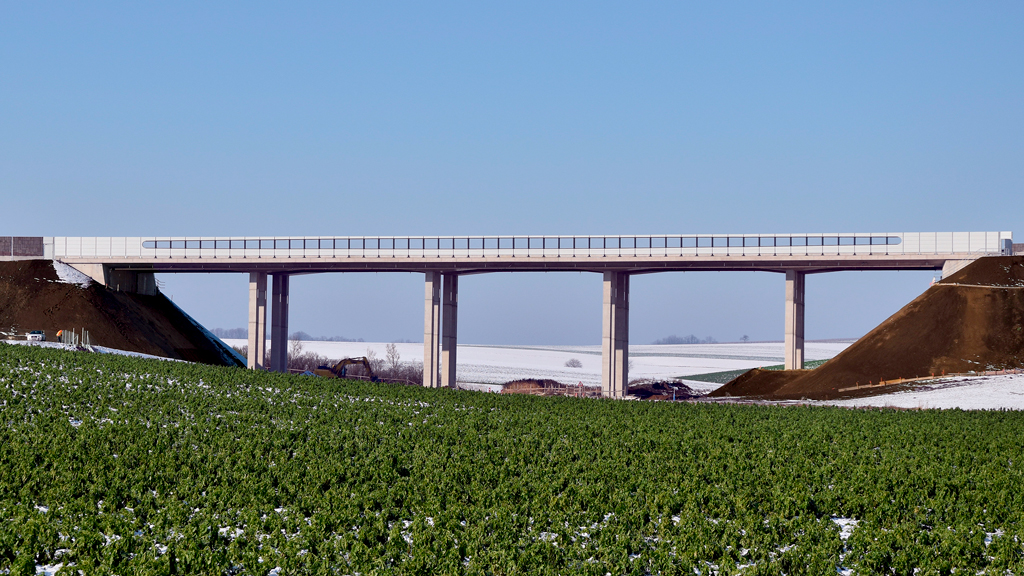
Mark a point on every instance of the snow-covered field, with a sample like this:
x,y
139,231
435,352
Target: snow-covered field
x,y
967,393
484,367
490,365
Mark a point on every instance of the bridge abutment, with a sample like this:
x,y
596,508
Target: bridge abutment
x,y
794,339
615,335
121,280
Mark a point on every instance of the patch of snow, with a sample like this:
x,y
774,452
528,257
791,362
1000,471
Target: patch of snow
x,y
1000,392
48,569
230,532
846,526
69,275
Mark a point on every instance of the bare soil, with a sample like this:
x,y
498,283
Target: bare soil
x,y
757,383
971,321
654,390
544,387
32,297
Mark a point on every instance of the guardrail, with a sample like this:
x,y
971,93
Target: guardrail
x,y
979,243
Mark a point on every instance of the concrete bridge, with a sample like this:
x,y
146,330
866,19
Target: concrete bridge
x,y
129,263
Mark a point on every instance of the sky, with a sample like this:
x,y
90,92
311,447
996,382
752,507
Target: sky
x,y
402,118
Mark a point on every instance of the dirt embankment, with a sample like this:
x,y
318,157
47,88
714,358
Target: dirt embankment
x,y
546,387
971,321
33,297
757,383
654,390
641,389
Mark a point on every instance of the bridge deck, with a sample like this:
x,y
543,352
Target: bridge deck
x,y
468,254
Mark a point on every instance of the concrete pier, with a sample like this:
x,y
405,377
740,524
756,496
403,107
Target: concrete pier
x,y
257,319
449,328
615,335
279,323
432,331
794,339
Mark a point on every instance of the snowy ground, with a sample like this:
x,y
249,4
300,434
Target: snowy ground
x,y
483,367
967,393
100,349
488,365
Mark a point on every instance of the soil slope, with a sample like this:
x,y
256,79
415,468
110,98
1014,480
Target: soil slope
x,y
757,383
971,321
32,297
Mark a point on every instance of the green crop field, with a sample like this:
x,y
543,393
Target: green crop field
x,y
115,465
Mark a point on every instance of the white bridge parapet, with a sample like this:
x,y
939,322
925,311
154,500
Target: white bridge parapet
x,y
562,247
128,263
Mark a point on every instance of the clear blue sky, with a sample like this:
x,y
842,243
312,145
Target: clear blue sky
x,y
526,118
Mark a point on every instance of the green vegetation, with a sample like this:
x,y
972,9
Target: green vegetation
x,y
127,466
728,375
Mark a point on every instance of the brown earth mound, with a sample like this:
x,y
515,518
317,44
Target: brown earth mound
x,y
757,383
32,297
652,390
971,321
539,387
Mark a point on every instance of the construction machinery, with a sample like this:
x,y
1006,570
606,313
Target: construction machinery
x,y
340,369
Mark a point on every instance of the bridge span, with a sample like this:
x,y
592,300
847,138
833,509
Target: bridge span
x,y
129,263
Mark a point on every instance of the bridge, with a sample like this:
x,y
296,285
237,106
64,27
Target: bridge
x,y
129,263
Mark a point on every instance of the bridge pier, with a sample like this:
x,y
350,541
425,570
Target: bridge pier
x,y
794,340
432,330
279,323
615,336
449,328
257,320
440,329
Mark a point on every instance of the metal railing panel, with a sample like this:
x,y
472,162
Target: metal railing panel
x,y
961,243
88,247
978,242
911,244
133,247
118,247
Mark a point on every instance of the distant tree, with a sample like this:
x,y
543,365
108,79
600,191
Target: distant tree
x,y
691,339
744,338
573,363
295,347
394,359
231,333
376,364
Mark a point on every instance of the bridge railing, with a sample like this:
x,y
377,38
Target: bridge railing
x,y
661,245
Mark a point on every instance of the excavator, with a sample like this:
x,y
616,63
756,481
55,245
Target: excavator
x,y
339,369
